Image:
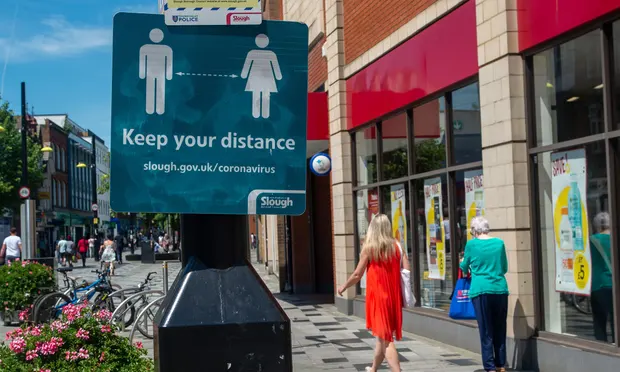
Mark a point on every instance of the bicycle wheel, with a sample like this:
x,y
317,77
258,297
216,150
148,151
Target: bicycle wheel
x,y
582,303
49,306
145,325
109,302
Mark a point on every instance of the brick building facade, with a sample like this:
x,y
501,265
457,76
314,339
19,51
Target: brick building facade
x,y
497,89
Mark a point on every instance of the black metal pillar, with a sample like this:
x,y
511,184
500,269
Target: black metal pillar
x,y
219,315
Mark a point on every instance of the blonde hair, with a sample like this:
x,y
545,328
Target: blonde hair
x,y
379,243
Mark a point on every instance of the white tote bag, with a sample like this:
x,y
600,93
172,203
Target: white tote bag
x,y
405,283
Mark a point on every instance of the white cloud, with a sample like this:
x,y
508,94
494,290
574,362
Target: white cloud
x,y
144,8
58,38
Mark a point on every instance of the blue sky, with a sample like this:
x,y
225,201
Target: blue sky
x,y
62,49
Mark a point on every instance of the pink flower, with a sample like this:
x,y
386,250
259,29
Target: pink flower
x,y
102,356
83,353
106,329
31,354
58,341
45,370
103,314
83,334
139,345
48,348
23,315
18,345
30,272
58,326
72,312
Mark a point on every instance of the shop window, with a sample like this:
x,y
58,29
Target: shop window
x,y
574,242
367,208
394,141
466,125
568,82
432,224
469,204
395,200
366,151
616,83
429,121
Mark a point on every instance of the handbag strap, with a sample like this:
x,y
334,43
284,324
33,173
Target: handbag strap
x,y
401,252
599,248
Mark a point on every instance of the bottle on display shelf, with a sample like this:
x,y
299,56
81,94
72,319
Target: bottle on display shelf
x,y
574,214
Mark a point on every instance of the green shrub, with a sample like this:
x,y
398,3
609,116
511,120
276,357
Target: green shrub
x,y
21,282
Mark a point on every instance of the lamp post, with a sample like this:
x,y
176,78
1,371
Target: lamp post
x,y
28,208
94,206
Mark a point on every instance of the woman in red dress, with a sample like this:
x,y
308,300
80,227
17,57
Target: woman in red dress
x,y
381,256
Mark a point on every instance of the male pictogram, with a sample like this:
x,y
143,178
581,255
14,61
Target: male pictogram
x,y
156,68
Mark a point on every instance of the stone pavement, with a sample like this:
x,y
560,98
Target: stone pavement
x,y
323,338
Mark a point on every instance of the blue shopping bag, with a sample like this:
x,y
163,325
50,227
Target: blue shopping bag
x,y
461,306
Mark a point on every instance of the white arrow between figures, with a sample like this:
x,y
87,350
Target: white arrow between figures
x,y
206,75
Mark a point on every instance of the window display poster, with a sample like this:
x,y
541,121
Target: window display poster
x,y
399,219
474,197
435,249
570,221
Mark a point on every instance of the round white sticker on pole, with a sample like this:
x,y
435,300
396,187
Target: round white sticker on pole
x,y
24,192
321,164
94,207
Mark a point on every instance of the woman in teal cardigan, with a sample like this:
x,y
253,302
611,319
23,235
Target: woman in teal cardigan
x,y
485,259
602,283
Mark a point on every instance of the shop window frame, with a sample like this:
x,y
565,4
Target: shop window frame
x,y
612,154
449,170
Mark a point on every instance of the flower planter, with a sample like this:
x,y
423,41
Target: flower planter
x,y
10,317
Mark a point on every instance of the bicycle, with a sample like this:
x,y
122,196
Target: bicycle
x,y
50,306
136,301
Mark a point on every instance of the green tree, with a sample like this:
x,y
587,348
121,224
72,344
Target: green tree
x,y
11,161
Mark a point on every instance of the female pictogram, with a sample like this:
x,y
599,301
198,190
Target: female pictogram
x,y
260,68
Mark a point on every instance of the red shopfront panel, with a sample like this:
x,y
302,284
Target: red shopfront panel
x,y
541,20
442,55
318,117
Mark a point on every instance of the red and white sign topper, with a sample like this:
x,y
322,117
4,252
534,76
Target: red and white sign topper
x,y
24,192
213,12
94,207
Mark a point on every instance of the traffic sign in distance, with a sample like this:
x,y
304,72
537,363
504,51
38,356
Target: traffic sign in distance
x,y
208,120
24,192
94,207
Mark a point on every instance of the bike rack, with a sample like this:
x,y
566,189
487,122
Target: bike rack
x,y
141,314
163,293
128,299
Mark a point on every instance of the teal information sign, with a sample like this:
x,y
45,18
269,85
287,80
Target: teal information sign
x,y
208,119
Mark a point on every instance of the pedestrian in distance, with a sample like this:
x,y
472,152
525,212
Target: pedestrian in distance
x,y
61,248
83,249
381,260
11,247
108,254
69,251
91,246
485,259
118,240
